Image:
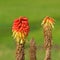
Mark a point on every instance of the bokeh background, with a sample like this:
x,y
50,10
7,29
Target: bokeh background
x,y
35,10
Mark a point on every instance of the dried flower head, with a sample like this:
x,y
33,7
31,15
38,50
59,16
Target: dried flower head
x,y
20,29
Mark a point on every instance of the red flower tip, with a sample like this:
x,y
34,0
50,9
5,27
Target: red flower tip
x,y
21,25
23,18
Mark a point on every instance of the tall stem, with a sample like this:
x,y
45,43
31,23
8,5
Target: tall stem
x,y
32,50
19,51
48,42
48,54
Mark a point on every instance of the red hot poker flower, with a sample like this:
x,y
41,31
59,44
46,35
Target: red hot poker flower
x,y
20,28
48,21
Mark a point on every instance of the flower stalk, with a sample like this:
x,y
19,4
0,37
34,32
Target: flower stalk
x,y
20,31
20,51
32,50
47,27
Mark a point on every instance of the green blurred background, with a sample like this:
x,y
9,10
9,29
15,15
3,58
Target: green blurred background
x,y
35,10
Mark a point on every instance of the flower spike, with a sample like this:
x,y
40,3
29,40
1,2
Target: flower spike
x,y
20,29
48,21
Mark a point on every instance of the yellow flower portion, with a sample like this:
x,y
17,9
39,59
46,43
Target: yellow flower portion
x,y
20,37
48,21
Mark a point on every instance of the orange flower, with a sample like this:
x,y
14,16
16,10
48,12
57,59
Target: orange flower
x,y
20,28
48,21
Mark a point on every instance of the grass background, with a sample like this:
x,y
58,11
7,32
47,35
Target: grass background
x,y
35,10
